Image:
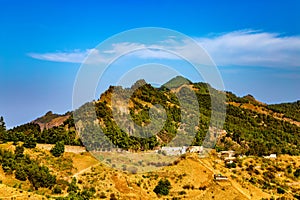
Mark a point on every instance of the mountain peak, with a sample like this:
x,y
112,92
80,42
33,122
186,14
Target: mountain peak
x,y
177,82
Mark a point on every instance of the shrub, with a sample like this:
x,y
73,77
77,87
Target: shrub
x,y
58,149
102,195
57,190
20,174
297,173
113,197
182,192
253,180
280,190
162,187
202,188
186,187
19,151
231,165
73,187
30,142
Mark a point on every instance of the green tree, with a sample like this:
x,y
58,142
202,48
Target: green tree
x,y
39,176
30,142
20,174
162,187
297,173
2,130
72,186
19,151
58,149
280,190
57,189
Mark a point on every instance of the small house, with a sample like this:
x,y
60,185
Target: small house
x,y
271,156
219,177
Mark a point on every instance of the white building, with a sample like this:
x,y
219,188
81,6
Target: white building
x,y
195,149
173,151
271,156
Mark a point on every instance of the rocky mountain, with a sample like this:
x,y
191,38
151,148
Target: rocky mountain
x,y
250,127
126,116
50,120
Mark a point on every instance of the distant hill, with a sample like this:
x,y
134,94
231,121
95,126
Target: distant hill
x,y
290,110
50,120
251,126
177,82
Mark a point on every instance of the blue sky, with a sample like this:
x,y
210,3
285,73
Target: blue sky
x,y
255,45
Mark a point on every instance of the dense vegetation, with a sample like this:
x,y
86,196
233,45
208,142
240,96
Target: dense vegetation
x,y
25,168
248,132
32,134
260,134
257,133
290,110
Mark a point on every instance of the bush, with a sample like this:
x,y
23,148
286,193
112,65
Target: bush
x,y
87,193
102,195
162,187
20,174
19,151
113,197
57,190
187,187
182,192
202,188
58,149
297,173
39,176
253,180
231,165
30,142
72,186
280,190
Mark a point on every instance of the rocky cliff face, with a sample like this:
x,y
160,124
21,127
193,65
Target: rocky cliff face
x,y
50,120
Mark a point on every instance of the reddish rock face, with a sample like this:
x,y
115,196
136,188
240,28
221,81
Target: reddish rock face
x,y
50,120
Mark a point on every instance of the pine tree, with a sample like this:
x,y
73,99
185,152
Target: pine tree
x,y
58,149
162,187
20,174
30,142
2,130
19,151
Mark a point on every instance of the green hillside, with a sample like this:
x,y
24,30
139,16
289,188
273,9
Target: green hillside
x,y
251,127
291,110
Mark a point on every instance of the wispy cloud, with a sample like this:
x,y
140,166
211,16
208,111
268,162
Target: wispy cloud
x,y
75,56
253,48
238,48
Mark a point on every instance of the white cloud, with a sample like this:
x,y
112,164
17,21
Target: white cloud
x,y
239,48
75,56
252,48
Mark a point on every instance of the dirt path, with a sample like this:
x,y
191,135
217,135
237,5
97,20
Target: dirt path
x,y
238,188
206,166
233,184
84,170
